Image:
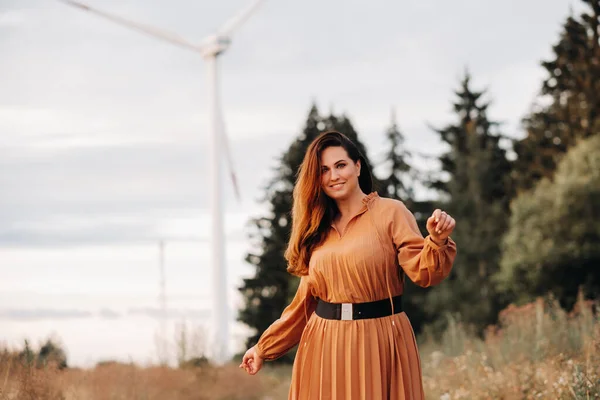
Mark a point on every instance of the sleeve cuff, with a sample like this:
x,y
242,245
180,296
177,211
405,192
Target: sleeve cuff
x,y
259,352
435,246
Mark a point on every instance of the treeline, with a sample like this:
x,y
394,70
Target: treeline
x,y
527,209
50,354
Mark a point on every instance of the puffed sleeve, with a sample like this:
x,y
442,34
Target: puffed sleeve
x,y
423,261
285,332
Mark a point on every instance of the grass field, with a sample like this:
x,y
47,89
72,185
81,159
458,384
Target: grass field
x,y
536,352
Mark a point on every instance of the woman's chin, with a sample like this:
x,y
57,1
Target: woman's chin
x,y
337,194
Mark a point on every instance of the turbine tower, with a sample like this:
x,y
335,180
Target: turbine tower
x,y
210,49
162,299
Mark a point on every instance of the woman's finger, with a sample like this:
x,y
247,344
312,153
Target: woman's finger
x,y
442,220
437,213
451,224
447,223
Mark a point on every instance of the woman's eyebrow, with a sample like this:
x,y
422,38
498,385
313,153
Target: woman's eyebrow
x,y
339,161
335,163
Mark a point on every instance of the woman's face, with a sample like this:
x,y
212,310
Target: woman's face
x,y
339,174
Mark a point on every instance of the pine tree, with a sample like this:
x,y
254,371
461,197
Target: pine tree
x,y
51,353
402,178
570,96
398,183
479,191
272,287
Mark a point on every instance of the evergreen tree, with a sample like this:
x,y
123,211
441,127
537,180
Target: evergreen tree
x,y
478,192
51,354
401,178
272,287
399,183
27,355
571,98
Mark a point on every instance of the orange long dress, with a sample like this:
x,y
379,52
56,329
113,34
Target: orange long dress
x,y
366,359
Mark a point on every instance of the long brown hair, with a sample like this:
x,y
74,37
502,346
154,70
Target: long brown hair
x,y
313,211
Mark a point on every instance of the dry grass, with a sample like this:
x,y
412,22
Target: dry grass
x,y
129,382
537,352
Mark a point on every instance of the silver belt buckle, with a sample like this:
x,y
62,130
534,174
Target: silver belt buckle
x,y
346,311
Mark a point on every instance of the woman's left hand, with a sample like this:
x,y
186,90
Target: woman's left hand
x,y
440,225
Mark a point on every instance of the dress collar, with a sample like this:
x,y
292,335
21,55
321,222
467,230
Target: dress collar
x,y
366,201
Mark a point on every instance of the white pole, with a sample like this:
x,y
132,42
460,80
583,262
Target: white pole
x,y
162,303
220,304
163,291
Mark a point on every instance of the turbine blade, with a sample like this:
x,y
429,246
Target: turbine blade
x,y
235,22
225,140
147,29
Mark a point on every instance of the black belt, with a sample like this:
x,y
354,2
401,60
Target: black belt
x,y
351,311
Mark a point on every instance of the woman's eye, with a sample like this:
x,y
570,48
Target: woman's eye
x,y
341,165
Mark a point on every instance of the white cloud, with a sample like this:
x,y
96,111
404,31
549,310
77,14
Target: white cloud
x,y
12,19
43,313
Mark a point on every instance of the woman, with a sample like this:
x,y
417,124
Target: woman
x,y
346,245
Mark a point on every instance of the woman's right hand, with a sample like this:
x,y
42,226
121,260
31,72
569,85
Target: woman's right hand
x,y
252,362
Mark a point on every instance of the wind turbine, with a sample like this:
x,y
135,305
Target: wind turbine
x,y
162,302
210,49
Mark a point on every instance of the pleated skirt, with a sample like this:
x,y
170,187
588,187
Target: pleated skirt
x,y
368,359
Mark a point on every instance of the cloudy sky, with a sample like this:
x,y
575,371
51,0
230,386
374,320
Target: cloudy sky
x,y
103,137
